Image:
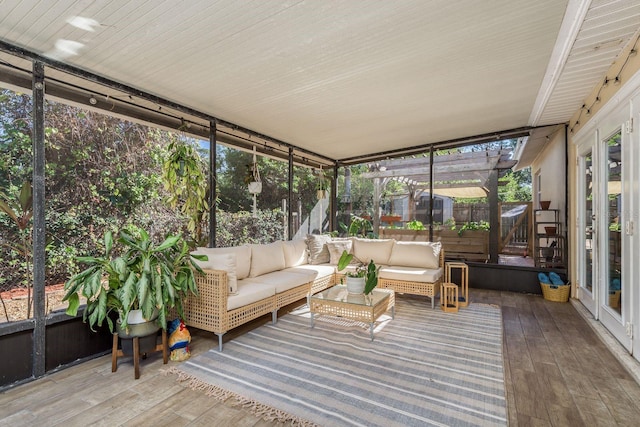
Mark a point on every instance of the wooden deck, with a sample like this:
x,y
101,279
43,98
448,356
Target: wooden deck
x,y
557,372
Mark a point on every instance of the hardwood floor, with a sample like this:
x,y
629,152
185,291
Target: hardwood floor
x,y
557,373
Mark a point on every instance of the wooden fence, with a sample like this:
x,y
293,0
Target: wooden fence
x,y
469,245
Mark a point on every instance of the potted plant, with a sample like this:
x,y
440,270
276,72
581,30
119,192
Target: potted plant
x,y
322,185
365,277
252,177
134,278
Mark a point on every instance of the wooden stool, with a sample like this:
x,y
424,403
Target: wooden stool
x,y
115,352
449,298
464,279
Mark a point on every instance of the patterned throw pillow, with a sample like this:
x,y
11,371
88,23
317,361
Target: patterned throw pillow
x,y
318,251
336,249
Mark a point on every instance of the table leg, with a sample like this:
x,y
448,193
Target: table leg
x,y
371,328
311,320
393,312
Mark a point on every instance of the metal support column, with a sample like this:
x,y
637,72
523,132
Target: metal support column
x,y
431,193
333,204
38,221
213,190
290,197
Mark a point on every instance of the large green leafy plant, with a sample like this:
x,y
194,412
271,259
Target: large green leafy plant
x,y
145,276
185,177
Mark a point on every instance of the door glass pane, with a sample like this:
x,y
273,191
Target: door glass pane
x,y
614,209
588,262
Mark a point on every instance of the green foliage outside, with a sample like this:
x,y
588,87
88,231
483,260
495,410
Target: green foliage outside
x,y
474,226
105,174
415,225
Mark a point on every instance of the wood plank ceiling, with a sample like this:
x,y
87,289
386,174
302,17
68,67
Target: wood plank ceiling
x,y
342,79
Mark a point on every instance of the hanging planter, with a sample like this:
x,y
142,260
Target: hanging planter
x,y
322,185
252,179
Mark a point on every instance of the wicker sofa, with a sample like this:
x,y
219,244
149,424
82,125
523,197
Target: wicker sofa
x,y
245,282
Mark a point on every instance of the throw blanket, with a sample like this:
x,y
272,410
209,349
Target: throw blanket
x,y
425,367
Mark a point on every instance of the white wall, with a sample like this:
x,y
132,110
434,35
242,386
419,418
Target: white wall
x,y
551,165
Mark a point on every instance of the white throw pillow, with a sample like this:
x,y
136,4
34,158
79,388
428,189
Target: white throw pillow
x,y
336,248
225,262
295,253
318,251
266,258
416,254
243,258
377,250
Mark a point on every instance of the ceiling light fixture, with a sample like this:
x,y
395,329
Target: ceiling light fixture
x,y
93,100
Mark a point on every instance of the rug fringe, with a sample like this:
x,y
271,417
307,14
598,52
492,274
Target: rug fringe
x,y
266,412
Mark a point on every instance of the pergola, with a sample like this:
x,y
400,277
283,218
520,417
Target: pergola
x,y
472,174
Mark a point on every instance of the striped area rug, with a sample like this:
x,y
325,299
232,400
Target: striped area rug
x,y
425,367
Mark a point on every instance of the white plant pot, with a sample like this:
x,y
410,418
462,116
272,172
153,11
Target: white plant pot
x,y
355,285
138,326
135,317
255,187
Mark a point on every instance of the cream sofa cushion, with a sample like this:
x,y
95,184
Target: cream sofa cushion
x,y
416,254
371,249
318,270
410,274
248,293
225,262
243,257
282,280
266,258
295,253
318,251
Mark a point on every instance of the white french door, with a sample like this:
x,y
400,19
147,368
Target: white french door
x,y
607,239
603,212
587,237
611,198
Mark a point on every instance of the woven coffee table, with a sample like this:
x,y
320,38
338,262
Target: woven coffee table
x,y
336,301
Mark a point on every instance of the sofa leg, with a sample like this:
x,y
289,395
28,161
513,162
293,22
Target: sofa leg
x,y
433,302
274,316
220,342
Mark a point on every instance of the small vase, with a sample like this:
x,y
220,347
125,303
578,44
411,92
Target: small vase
x,y
544,204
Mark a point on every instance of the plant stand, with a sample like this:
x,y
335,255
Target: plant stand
x,y
464,280
115,352
549,239
449,298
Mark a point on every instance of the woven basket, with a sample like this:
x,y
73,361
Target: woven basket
x,y
614,299
557,293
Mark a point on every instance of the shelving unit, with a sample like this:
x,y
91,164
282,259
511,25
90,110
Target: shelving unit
x,y
550,240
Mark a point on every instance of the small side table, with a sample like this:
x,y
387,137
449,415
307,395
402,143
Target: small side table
x,y
115,352
464,279
449,298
